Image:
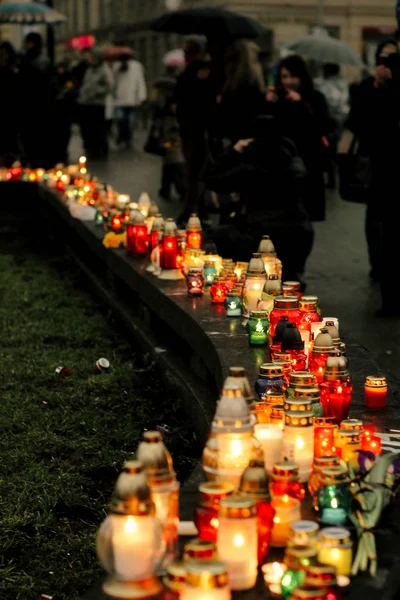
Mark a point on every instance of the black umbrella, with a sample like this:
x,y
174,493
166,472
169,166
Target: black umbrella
x,y
211,22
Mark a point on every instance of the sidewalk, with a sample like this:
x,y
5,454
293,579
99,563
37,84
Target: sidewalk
x,y
337,270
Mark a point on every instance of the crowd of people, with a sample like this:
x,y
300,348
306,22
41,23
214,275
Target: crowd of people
x,y
40,102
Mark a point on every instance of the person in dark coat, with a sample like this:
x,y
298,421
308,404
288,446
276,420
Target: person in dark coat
x,y
10,105
372,90
64,105
267,172
37,95
303,115
374,119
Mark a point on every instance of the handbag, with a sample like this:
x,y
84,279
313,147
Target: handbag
x,y
355,175
155,139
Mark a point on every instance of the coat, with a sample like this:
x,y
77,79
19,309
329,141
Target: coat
x,y
95,86
130,85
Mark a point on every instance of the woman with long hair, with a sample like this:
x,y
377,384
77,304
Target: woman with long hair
x,y
303,115
242,95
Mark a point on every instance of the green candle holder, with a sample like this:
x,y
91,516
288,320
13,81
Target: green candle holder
x,y
258,327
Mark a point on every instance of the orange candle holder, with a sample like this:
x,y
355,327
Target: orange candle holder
x,y
375,392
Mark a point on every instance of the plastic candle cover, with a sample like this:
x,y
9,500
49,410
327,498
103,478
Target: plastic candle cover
x,y
237,541
285,481
325,430
324,578
335,548
206,513
206,580
195,281
240,269
257,327
375,391
287,511
334,496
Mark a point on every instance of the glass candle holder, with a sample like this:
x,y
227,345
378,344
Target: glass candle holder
x,y
310,394
270,388
292,288
336,388
218,291
174,581
371,443
137,239
233,303
323,577
129,541
375,390
194,239
348,443
237,377
257,327
276,340
240,268
285,481
306,592
298,435
272,263
303,533
230,278
300,380
273,572
271,440
195,281
206,579
297,558
315,481
309,310
284,306
116,222
210,272
206,512
252,291
287,511
336,548
334,495
353,425
277,416
325,429
286,365
237,541
322,348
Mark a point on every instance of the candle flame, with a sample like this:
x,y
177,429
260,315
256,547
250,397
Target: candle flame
x,y
340,389
214,523
285,498
300,443
334,503
238,540
236,447
130,525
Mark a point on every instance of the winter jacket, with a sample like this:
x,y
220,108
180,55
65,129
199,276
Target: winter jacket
x,y
130,85
95,86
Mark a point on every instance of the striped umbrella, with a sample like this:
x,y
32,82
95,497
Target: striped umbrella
x,y
31,13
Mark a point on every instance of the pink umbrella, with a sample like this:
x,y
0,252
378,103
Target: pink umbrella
x,y
174,58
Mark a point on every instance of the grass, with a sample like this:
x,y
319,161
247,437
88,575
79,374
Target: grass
x,y
64,439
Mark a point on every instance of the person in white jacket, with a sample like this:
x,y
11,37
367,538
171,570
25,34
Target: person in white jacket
x,y
130,93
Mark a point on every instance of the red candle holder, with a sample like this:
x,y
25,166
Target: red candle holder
x,y
265,520
325,430
218,291
168,252
336,398
371,443
287,368
206,513
309,312
116,222
285,481
194,239
292,288
137,239
375,391
284,306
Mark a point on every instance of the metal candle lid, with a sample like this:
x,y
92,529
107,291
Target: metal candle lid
x,y
198,549
273,370
211,493
325,422
285,470
237,507
258,314
336,368
307,393
353,425
323,343
132,494
302,378
256,266
286,302
302,532
254,482
376,381
322,462
273,285
320,576
175,577
294,285
206,574
306,592
298,405
333,475
335,537
194,223
309,303
299,556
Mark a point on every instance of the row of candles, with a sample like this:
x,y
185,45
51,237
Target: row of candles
x,y
264,451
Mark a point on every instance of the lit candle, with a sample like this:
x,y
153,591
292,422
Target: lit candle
x,y
123,201
273,572
255,279
335,548
206,512
303,533
315,481
298,434
82,164
297,557
287,511
206,580
334,496
271,440
285,481
195,281
237,541
325,429
131,540
371,443
273,265
257,327
144,203
375,390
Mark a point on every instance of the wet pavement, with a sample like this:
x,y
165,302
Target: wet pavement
x,y
337,271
